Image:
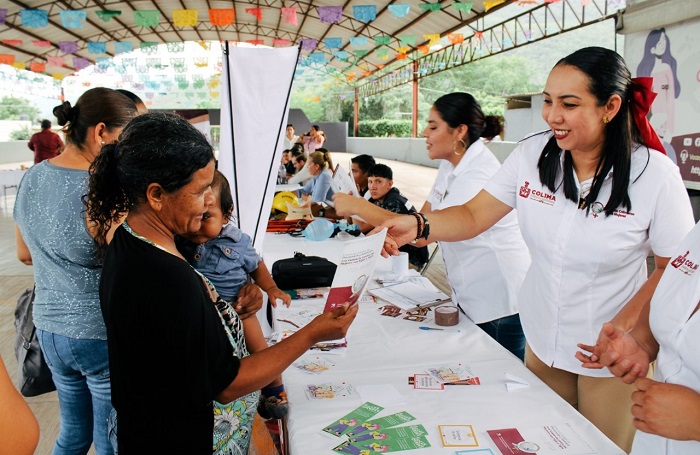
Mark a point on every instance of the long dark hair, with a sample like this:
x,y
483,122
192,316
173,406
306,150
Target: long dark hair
x,y
646,66
152,148
461,108
97,105
607,75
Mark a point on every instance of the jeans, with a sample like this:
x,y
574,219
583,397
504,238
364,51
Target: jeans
x,y
508,333
80,370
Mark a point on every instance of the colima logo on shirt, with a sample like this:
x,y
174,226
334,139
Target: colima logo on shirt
x,y
536,195
685,265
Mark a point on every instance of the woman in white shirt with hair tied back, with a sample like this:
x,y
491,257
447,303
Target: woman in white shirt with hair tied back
x,y
594,195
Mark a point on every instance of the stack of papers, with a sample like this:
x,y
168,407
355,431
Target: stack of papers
x,y
412,295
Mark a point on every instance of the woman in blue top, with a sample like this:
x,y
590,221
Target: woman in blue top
x,y
53,235
321,187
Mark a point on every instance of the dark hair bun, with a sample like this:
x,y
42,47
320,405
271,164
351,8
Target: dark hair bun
x,y
64,113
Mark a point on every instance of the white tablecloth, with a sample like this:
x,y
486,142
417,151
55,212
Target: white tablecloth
x,y
384,350
11,177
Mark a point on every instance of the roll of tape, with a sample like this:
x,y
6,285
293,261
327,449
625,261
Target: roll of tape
x,y
447,315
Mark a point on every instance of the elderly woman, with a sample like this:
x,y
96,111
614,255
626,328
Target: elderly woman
x,y
594,194
182,378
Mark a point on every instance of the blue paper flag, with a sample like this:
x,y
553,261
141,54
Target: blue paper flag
x,y
317,57
121,47
358,40
365,13
34,17
73,19
96,47
399,10
342,55
333,43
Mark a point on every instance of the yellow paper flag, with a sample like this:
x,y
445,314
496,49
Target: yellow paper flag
x,y
185,17
489,5
434,38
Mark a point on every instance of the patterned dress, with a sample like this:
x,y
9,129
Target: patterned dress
x,y
233,422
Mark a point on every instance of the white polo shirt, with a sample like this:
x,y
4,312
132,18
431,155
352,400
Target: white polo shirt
x,y
586,268
486,272
677,331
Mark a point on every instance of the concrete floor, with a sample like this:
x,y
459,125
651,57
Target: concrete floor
x,y
414,182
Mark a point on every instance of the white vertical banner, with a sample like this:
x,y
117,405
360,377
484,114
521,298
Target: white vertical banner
x,y
255,91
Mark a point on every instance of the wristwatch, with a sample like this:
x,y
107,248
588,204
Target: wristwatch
x,y
321,212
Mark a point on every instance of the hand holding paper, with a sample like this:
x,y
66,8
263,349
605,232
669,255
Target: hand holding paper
x,y
331,325
353,273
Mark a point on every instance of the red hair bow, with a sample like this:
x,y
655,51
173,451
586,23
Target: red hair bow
x,y
641,100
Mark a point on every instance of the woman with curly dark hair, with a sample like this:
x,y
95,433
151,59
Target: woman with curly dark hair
x,y
182,379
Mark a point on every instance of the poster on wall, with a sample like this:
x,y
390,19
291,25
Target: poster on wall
x,y
671,56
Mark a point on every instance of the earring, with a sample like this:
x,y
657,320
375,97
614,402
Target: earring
x,y
102,142
454,147
606,119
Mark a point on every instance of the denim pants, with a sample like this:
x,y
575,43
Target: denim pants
x,y
508,332
80,370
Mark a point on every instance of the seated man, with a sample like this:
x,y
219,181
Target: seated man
x,y
301,175
287,163
384,195
360,165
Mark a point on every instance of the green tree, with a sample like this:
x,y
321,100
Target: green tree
x,y
12,108
21,134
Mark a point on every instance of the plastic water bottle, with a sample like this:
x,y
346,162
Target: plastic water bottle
x,y
282,174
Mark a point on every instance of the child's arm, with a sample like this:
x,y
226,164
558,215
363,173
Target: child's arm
x,y
264,280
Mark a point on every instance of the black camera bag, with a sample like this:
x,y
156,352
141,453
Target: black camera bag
x,y
302,272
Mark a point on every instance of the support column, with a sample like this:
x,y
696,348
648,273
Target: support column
x,y
414,117
356,114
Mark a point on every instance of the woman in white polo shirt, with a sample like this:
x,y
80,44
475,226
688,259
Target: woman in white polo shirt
x,y
486,272
666,409
594,195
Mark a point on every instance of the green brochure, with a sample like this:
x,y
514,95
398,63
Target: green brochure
x,y
382,423
353,419
390,440
388,434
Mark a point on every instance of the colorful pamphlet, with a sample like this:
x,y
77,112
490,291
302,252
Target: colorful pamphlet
x,y
390,440
314,364
543,440
310,293
354,269
469,381
426,382
329,391
458,436
417,293
353,419
381,423
450,373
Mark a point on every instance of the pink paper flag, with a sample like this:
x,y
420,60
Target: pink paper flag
x,y
289,14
